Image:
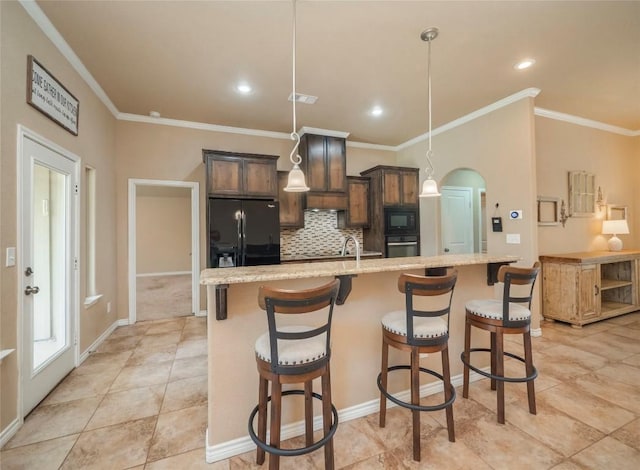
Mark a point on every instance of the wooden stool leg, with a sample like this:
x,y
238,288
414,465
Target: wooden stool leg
x,y
263,388
528,360
415,400
467,354
383,380
493,359
499,359
446,374
276,407
327,418
308,412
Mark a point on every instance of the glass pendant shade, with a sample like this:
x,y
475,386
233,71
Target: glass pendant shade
x,y
429,188
296,182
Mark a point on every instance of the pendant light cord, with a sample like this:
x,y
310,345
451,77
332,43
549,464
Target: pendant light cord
x,y
294,135
429,152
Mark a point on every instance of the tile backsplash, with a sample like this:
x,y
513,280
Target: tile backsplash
x,y
320,235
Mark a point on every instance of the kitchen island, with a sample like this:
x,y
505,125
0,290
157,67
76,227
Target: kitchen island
x,y
356,337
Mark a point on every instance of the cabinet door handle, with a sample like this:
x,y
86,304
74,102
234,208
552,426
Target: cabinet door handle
x,y
597,289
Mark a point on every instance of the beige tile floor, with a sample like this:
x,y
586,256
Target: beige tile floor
x,y
140,402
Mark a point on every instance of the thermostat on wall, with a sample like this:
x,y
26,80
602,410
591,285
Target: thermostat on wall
x,y
516,214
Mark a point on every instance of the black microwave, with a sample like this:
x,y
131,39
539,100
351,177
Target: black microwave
x,y
401,221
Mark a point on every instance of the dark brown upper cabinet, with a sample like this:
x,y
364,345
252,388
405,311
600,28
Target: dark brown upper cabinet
x,y
324,163
357,213
291,204
397,186
231,174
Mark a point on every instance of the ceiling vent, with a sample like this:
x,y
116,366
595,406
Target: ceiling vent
x,y
306,99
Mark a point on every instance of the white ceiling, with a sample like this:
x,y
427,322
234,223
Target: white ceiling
x,y
183,59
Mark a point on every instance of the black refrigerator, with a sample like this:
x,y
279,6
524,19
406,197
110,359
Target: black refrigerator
x,y
243,232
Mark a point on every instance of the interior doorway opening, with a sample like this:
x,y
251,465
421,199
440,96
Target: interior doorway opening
x,y
164,261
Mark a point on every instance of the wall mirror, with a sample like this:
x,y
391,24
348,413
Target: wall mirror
x,y
582,194
615,212
548,210
463,218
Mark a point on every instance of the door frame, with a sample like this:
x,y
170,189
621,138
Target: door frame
x,y
195,239
74,298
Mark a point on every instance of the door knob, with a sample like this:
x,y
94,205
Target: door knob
x,y
446,250
31,290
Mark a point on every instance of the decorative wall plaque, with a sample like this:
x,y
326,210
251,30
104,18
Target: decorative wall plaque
x,y
50,97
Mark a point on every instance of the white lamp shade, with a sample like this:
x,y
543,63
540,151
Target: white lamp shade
x,y
296,182
615,227
429,188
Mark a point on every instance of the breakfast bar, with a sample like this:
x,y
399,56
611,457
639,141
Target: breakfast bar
x,y
370,291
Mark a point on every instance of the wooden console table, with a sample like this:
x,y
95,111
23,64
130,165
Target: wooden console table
x,y
581,288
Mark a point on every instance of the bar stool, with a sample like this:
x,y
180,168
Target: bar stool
x,y
500,317
419,331
294,355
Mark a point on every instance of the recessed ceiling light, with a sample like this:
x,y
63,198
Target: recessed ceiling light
x,y
244,88
524,64
154,114
376,111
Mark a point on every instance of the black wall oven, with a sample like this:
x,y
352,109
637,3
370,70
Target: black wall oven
x,y
401,221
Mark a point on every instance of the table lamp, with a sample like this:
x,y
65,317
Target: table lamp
x,y
614,227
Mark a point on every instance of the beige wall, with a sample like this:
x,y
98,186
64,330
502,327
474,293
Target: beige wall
x,y
163,233
94,145
174,153
563,147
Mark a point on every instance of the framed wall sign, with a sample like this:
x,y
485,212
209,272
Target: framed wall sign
x,y
50,97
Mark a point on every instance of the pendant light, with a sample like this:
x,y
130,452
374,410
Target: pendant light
x,y
295,182
429,187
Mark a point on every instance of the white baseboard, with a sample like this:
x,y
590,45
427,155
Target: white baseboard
x,y
171,273
96,344
241,445
8,432
536,332
201,313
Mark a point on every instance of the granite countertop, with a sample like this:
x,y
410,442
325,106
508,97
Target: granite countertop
x,y
217,276
328,256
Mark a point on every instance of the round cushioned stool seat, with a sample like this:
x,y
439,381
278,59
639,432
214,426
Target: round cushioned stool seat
x,y
423,327
489,308
293,352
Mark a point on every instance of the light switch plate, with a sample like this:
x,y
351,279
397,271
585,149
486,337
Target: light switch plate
x,y
513,238
11,256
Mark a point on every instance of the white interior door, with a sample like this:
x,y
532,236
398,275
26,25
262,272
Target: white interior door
x,y
456,220
48,254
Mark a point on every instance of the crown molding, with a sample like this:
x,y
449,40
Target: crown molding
x,y
56,38
201,126
547,113
328,132
365,145
526,93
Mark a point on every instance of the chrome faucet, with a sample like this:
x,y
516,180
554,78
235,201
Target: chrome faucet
x,y
344,247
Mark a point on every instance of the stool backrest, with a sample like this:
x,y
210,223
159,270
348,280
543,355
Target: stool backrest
x,y
511,275
282,301
431,286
